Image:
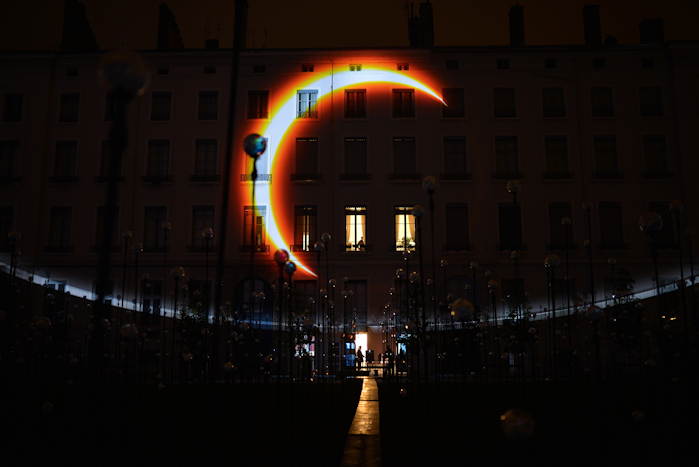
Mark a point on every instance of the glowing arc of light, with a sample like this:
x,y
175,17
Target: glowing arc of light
x,y
285,117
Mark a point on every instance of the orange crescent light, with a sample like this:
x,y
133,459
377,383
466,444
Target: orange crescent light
x,y
284,116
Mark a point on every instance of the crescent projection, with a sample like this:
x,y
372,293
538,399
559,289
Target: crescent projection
x,y
284,116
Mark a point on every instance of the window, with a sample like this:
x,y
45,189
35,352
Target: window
x,y
404,158
665,237
403,103
355,228
655,156
306,158
160,106
454,97
69,108
259,68
558,214
455,158
403,66
551,63
158,163
355,67
504,103
154,232
101,224
65,164
254,228
307,68
355,158
206,158
606,159
599,63
553,101
209,70
202,220
556,149
305,227
208,105
602,102
502,64
257,104
457,227
405,228
611,226
8,158
106,160
359,304
651,101
307,104
647,63
506,157
12,110
7,216
355,103
451,64
510,223
59,228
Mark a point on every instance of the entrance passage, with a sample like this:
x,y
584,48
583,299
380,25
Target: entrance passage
x,y
363,445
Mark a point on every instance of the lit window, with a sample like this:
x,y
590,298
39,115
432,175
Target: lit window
x,y
307,104
355,228
305,228
254,228
405,228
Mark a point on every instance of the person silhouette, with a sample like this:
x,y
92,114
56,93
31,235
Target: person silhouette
x,y
360,357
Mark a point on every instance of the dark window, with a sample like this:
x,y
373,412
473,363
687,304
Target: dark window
x,y
7,217
560,222
306,157
305,227
611,225
208,105
209,70
254,227
307,104
101,223
154,228
355,103
206,158
647,63
359,305
355,157
202,221
160,106
59,228
403,66
602,102
405,228
551,63
404,157
355,228
651,101
504,103
665,237
451,64
502,64
355,67
70,108
307,68
599,63
553,100
258,102
259,68
510,223
506,157
403,103
457,227
455,157
106,158
152,295
8,158
454,97
158,163
65,164
556,148
655,156
12,110
606,158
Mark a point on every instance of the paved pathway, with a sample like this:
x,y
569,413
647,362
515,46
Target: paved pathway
x,y
363,446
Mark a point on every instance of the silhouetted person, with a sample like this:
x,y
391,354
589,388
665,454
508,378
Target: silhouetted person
x,y
360,357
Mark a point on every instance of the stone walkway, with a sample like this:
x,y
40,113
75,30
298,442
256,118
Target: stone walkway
x,y
363,446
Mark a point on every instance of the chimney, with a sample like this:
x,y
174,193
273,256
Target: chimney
x,y
169,36
593,29
652,31
516,26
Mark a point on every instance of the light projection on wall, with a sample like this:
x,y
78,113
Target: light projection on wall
x,y
309,94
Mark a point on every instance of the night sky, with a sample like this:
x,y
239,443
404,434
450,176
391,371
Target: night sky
x,y
324,23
